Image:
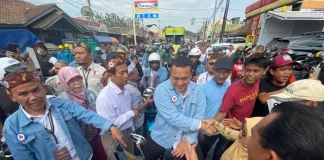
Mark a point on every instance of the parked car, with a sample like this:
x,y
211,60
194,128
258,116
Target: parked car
x,y
298,46
235,41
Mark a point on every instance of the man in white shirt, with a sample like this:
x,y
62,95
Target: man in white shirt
x,y
53,83
90,71
114,103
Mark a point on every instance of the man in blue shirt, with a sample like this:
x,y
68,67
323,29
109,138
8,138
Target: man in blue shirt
x,y
181,107
145,63
47,128
215,90
64,55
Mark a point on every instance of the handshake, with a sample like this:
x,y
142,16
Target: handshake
x,y
210,125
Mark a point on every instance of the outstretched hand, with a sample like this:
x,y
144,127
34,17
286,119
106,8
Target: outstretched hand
x,y
233,123
117,135
190,150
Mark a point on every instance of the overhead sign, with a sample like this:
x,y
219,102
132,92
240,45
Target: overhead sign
x,y
146,9
146,15
175,31
93,25
144,6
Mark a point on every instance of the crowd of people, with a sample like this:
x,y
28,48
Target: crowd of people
x,y
195,105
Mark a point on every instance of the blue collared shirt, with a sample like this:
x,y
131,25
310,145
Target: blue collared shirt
x,y
38,143
161,72
171,117
214,97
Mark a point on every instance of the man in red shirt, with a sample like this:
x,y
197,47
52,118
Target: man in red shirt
x,y
240,97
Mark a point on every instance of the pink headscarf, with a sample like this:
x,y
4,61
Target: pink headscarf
x,y
65,75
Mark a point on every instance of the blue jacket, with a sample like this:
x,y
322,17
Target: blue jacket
x,y
171,118
66,56
200,69
145,61
74,63
162,73
39,144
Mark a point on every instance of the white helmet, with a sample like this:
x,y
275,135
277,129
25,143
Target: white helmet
x,y
195,52
9,64
154,57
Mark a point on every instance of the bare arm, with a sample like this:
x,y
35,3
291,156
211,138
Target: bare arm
x,y
220,116
263,97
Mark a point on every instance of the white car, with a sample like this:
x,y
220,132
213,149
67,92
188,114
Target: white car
x,y
235,41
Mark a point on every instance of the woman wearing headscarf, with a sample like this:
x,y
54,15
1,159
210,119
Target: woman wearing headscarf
x,y
238,150
72,84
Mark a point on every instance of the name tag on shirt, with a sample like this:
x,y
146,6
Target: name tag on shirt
x,y
62,154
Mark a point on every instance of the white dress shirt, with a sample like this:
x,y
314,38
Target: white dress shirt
x,y
114,104
62,139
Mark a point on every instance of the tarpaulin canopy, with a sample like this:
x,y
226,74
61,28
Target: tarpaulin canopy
x,y
103,39
114,40
22,37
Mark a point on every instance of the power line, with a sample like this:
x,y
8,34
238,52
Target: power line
x,y
71,4
179,9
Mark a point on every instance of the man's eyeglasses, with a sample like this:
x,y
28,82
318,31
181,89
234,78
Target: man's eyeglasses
x,y
154,62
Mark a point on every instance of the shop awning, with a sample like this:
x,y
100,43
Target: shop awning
x,y
297,15
114,40
103,39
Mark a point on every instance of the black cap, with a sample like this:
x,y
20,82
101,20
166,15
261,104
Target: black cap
x,y
111,55
223,63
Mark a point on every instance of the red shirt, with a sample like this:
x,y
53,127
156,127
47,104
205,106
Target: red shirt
x,y
239,100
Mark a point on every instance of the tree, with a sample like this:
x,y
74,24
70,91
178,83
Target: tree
x,y
114,20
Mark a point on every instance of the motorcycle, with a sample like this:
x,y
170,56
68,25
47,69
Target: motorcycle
x,y
150,112
4,150
122,154
238,68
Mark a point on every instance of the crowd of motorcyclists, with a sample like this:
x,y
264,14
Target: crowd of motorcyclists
x,y
80,105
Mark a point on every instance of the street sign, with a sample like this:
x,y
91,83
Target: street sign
x,y
146,15
145,6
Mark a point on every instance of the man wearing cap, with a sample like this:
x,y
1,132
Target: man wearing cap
x,y
114,103
215,90
53,83
47,128
307,91
240,97
90,71
277,78
136,98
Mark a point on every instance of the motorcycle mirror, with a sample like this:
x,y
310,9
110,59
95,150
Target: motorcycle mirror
x,y
138,139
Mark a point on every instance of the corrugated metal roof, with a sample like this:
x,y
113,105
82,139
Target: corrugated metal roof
x,y
297,15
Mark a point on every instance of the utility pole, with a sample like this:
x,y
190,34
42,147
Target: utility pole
x,y
91,17
205,28
143,28
224,21
213,24
134,28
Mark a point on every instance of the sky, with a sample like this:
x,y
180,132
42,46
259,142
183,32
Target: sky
x,y
177,13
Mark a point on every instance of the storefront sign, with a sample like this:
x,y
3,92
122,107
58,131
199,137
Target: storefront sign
x,y
146,6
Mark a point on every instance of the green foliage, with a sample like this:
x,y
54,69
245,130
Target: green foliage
x,y
114,20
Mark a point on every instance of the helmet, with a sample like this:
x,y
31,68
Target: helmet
x,y
154,57
98,48
320,54
9,65
195,52
183,50
149,49
60,47
66,45
148,92
120,50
